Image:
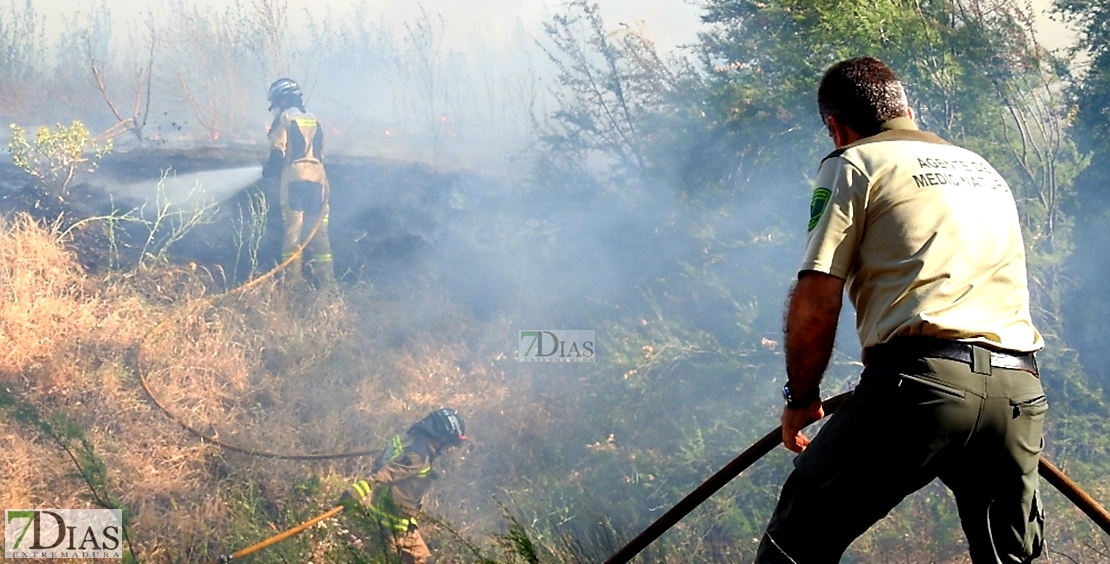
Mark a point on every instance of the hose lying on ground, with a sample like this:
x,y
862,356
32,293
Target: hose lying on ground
x,y
191,307
769,441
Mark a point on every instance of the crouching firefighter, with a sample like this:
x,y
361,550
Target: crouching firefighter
x,y
297,164
392,495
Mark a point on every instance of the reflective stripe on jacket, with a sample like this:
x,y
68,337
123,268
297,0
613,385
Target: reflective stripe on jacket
x,y
402,473
298,137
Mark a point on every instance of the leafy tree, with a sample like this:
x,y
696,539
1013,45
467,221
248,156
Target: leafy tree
x,y
1090,95
1091,89
975,75
622,108
766,59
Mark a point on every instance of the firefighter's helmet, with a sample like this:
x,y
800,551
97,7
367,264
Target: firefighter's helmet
x,y
284,93
445,425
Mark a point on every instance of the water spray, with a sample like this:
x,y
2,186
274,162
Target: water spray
x,y
194,189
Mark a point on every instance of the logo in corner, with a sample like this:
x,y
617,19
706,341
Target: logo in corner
x,y
558,345
63,533
817,206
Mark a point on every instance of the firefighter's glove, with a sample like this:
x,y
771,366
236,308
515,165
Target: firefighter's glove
x,y
358,491
272,169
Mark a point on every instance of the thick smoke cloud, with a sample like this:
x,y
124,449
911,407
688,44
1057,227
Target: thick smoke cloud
x,y
432,114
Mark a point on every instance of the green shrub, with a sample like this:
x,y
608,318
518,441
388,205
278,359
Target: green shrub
x,y
55,157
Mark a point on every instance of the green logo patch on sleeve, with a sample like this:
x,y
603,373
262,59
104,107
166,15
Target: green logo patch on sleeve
x,y
817,206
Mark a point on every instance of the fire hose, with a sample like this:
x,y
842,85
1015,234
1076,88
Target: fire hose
x,y
143,353
1047,470
224,559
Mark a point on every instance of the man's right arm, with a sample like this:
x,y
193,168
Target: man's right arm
x,y
278,140
272,168
811,320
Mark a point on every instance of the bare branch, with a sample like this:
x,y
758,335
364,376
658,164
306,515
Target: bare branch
x,y
103,89
141,86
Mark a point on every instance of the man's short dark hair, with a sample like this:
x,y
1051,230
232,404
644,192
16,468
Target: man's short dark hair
x,y
861,93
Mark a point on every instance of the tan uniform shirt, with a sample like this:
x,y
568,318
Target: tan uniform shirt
x,y
926,235
299,137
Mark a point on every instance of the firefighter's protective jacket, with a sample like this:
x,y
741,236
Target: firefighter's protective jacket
x,y
402,474
296,148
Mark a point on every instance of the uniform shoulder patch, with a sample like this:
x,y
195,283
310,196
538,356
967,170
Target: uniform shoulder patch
x,y
817,205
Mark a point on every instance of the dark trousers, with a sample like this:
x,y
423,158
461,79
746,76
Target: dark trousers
x,y
907,423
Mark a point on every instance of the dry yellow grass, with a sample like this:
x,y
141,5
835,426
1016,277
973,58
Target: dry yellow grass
x,y
275,369
44,302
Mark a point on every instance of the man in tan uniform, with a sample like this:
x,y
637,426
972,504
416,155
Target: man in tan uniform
x,y
296,162
925,237
401,475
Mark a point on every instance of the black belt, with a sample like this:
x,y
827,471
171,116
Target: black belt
x,y
909,348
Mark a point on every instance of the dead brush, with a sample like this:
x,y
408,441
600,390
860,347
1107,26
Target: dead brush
x,y
278,369
51,312
247,366
67,342
44,303
33,471
305,374
170,284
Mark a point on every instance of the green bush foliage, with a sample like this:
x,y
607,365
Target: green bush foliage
x,y
55,156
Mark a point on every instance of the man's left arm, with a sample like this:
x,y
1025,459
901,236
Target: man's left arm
x,y
811,320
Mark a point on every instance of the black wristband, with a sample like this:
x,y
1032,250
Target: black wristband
x,y
799,402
